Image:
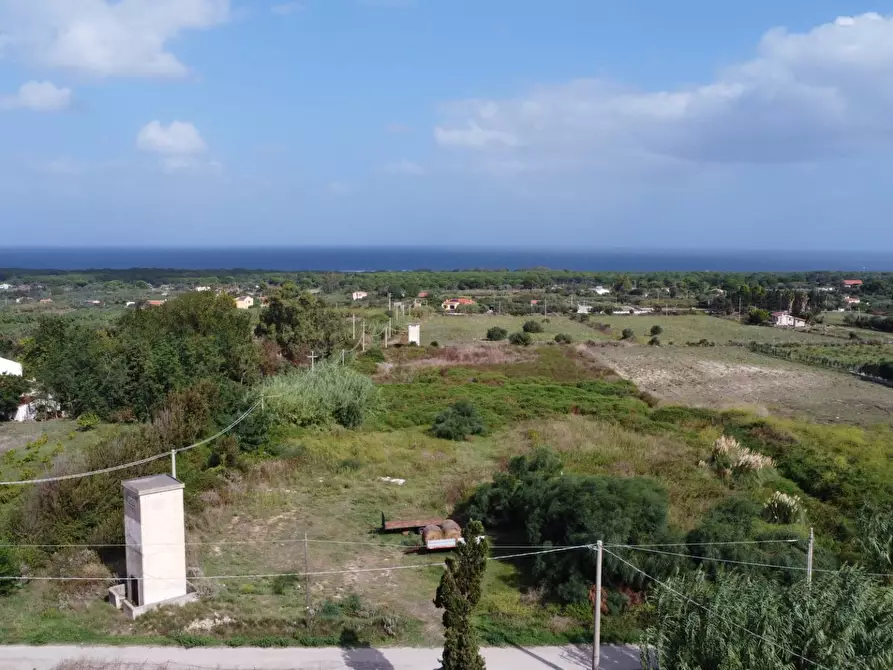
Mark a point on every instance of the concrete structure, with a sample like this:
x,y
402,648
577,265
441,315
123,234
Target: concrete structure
x,y
452,304
850,300
358,295
155,534
601,290
8,367
415,333
245,302
787,320
584,309
852,283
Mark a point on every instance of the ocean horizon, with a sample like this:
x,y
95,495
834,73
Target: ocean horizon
x,y
370,259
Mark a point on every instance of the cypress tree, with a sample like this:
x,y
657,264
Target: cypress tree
x,y
458,594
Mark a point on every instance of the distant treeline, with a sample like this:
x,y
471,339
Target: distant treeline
x,y
410,283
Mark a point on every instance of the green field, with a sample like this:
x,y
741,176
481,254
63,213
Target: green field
x,y
678,330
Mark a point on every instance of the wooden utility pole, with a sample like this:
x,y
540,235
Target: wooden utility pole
x,y
809,558
312,358
364,337
307,579
353,326
597,628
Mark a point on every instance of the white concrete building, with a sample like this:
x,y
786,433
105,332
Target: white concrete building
x,y
8,367
155,535
584,309
787,320
415,333
245,302
601,290
358,295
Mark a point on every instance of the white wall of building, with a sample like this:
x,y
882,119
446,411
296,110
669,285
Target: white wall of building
x,y
415,333
8,367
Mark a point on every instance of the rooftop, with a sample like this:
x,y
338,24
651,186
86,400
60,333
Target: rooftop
x,y
153,484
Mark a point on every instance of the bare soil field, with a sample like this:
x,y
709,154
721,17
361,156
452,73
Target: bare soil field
x,y
733,377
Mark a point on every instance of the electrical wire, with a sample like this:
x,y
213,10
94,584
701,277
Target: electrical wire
x,y
707,544
707,609
710,558
133,464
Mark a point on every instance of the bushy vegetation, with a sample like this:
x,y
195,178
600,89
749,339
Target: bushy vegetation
x,y
11,389
758,317
495,334
536,501
458,422
563,338
521,339
9,570
328,394
783,508
146,355
739,621
627,334
656,330
532,327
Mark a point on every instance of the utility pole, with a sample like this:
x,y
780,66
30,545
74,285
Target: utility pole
x,y
312,358
809,558
597,628
739,309
389,302
174,463
364,337
342,357
353,326
307,579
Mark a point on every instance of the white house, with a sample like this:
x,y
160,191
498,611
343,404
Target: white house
x,y
202,289
584,309
850,300
601,290
5,287
358,295
787,320
245,302
8,367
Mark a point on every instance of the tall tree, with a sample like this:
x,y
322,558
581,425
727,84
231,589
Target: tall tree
x,y
458,594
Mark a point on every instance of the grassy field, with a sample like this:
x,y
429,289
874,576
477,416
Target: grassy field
x,y
327,484
457,329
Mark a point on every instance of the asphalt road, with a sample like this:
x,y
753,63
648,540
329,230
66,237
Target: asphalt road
x,y
331,658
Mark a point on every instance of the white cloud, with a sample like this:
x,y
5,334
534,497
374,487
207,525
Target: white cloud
x,y
803,96
178,138
287,8
403,167
106,38
40,96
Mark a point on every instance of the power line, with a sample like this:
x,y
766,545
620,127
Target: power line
x,y
707,609
707,544
710,558
293,574
133,464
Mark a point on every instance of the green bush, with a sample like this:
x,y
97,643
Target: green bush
x,y
757,317
12,387
520,339
458,422
654,341
496,333
330,393
9,568
87,421
627,334
656,330
532,327
563,338
536,500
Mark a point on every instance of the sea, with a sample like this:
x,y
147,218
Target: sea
x,y
368,259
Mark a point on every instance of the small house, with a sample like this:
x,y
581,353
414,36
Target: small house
x,y
358,295
852,283
46,301
850,300
584,309
452,304
245,302
601,290
787,320
155,303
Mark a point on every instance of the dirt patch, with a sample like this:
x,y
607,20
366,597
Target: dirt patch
x,y
471,354
731,377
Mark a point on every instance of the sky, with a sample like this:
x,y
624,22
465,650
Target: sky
x,y
568,124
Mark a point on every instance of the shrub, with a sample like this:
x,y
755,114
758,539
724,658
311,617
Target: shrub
x,y
730,460
563,338
532,327
328,394
654,341
87,421
496,334
434,344
520,339
9,568
458,422
537,501
757,317
656,330
627,334
783,508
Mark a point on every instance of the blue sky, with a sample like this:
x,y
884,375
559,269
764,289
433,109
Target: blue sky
x,y
570,123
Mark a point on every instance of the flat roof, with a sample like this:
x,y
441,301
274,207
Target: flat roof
x,y
153,484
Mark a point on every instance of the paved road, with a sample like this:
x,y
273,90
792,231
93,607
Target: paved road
x,y
333,658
